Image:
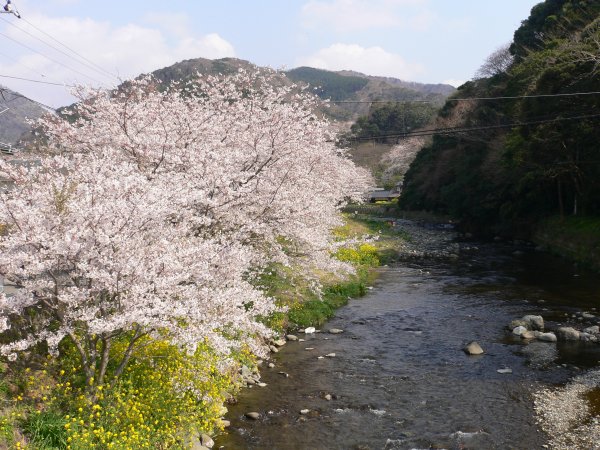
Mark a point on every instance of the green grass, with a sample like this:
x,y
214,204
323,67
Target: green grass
x,y
577,238
46,430
310,310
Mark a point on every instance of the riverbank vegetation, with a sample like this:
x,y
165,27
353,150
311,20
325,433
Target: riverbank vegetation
x,y
140,245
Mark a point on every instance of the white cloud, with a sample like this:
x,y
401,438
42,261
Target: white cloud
x,y
356,15
368,60
125,51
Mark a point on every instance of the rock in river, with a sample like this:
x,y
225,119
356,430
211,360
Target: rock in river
x,y
253,415
473,348
535,322
547,337
519,330
567,334
335,331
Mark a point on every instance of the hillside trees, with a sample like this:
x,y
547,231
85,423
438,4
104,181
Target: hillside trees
x,y
532,151
393,119
152,211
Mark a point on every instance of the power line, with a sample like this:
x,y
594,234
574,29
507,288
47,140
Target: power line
x,y
71,50
431,132
467,99
51,59
38,81
85,64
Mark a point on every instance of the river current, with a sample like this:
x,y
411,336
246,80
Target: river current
x,y
399,378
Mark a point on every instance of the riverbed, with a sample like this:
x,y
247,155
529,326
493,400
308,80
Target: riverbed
x,y
397,378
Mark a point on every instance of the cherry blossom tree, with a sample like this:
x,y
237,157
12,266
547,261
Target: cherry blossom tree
x,y
397,161
151,209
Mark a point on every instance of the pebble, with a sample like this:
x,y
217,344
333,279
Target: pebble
x,y
504,370
253,415
304,411
330,355
270,365
327,397
262,384
284,374
273,349
335,331
309,330
291,337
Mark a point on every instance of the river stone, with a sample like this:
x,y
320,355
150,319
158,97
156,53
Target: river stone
x,y
586,315
206,440
246,372
270,365
567,334
261,384
587,337
253,415
291,337
310,330
518,323
519,331
330,355
504,370
528,335
279,342
473,348
335,331
224,423
273,349
547,337
592,330
535,322
304,411
327,397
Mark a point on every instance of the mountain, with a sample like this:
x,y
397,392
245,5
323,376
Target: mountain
x,y
17,109
349,86
343,86
533,153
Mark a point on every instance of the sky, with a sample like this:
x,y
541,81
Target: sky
x,y
99,43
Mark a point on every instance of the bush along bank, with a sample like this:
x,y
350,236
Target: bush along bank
x,y
167,398
576,238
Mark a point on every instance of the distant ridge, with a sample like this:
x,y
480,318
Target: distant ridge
x,y
336,86
17,110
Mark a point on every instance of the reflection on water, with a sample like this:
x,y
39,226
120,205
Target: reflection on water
x,y
400,380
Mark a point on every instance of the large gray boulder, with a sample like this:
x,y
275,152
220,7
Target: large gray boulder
x,y
535,322
567,334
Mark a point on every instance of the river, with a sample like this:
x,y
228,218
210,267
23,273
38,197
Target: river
x,y
399,378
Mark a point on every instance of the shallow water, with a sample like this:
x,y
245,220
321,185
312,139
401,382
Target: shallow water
x,y
399,378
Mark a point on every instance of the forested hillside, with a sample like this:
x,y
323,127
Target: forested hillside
x,y
356,91
534,152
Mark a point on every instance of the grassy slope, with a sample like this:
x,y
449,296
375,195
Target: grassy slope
x,y
577,238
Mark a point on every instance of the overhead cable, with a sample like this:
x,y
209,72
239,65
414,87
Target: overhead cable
x,y
469,129
84,63
467,99
51,59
